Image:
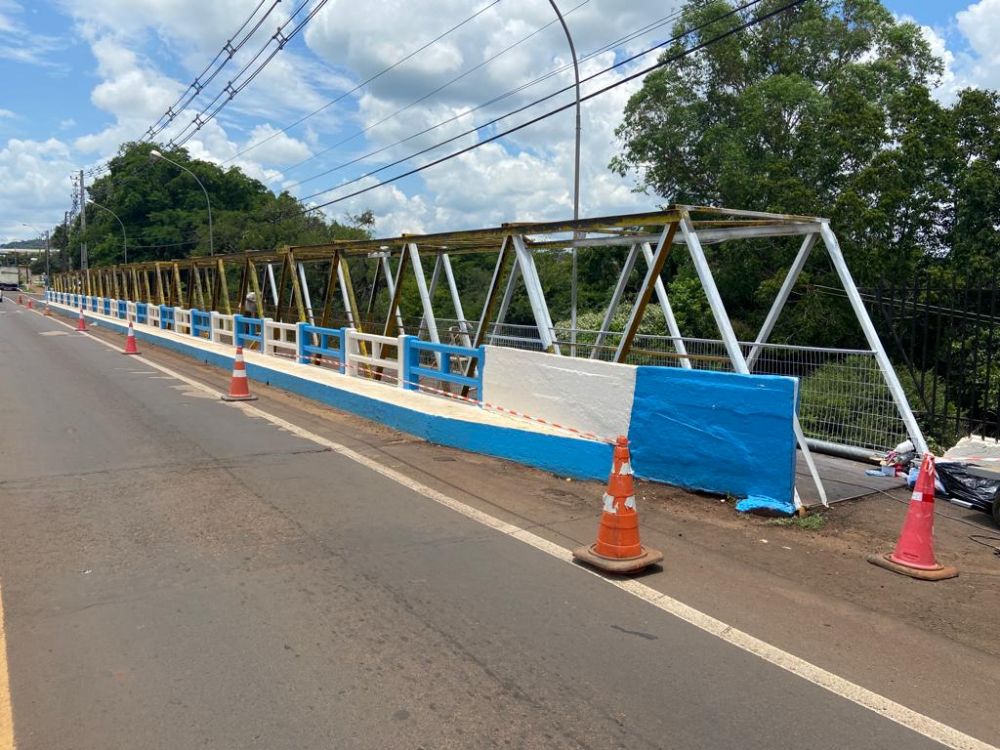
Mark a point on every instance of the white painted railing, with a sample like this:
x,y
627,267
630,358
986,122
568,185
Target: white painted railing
x,y
182,320
222,328
153,315
280,339
130,311
365,355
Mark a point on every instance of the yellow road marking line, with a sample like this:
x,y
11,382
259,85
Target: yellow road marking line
x,y
6,717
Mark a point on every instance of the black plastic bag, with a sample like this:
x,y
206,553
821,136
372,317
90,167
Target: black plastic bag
x,y
969,483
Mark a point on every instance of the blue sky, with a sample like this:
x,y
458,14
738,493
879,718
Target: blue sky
x,y
82,76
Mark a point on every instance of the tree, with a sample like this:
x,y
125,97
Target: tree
x,y
824,110
165,214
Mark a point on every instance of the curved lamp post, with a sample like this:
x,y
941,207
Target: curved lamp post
x,y
92,202
211,244
576,173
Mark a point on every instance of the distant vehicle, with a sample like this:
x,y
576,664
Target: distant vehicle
x,y
9,278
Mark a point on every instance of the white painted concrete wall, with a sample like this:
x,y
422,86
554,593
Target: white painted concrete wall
x,y
585,394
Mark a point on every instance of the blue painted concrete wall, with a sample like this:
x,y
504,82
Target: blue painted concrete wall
x,y
716,431
566,456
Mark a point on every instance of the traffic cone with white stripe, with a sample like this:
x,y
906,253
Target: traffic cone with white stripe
x,y
31,303
617,549
130,347
81,324
914,553
239,386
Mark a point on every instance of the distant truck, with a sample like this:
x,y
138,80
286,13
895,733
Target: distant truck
x,y
9,278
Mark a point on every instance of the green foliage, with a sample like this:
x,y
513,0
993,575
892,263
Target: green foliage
x,y
165,213
839,399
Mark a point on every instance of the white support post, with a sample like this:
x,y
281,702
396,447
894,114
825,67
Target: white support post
x,y
274,287
213,331
536,296
888,372
390,286
779,302
305,294
508,294
425,297
263,334
431,289
616,298
668,311
729,336
455,299
345,295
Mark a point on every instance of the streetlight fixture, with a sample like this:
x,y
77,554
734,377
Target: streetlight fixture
x,y
92,202
576,177
47,273
157,155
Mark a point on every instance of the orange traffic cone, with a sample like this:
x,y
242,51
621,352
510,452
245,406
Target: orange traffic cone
x,y
31,303
81,324
617,549
914,553
239,387
130,347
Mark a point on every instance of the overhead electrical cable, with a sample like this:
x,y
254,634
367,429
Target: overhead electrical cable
x,y
659,64
364,83
230,91
511,92
200,82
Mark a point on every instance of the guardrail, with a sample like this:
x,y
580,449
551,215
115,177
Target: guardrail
x,y
445,355
223,329
392,359
360,364
248,329
280,339
201,323
314,345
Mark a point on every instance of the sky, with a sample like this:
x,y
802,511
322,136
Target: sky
x,y
79,77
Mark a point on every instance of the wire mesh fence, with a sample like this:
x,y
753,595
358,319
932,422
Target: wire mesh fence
x,y
844,398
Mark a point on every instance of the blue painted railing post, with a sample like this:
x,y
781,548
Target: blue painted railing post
x,y
163,316
194,321
343,349
408,359
480,366
300,340
237,321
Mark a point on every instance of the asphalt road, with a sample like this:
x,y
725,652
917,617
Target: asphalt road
x,y
178,574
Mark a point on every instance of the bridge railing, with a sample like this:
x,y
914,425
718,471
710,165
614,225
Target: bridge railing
x,y
402,361
316,346
280,339
447,364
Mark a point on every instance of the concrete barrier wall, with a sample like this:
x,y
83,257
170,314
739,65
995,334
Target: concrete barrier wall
x,y
589,395
714,431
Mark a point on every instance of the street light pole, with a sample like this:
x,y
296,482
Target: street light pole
x,y
211,244
124,236
48,274
576,177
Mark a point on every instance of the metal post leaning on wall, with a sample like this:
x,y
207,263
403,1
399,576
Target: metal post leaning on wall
x,y
888,372
732,345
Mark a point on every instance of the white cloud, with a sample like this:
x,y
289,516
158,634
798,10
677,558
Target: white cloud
x,y
980,25
34,184
7,114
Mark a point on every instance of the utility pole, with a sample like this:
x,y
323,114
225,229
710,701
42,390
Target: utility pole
x,y
48,270
84,264
67,257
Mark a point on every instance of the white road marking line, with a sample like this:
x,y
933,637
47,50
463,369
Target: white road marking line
x,y
6,715
931,728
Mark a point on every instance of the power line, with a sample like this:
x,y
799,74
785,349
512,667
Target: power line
x,y
659,64
229,91
423,98
365,82
195,88
633,35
